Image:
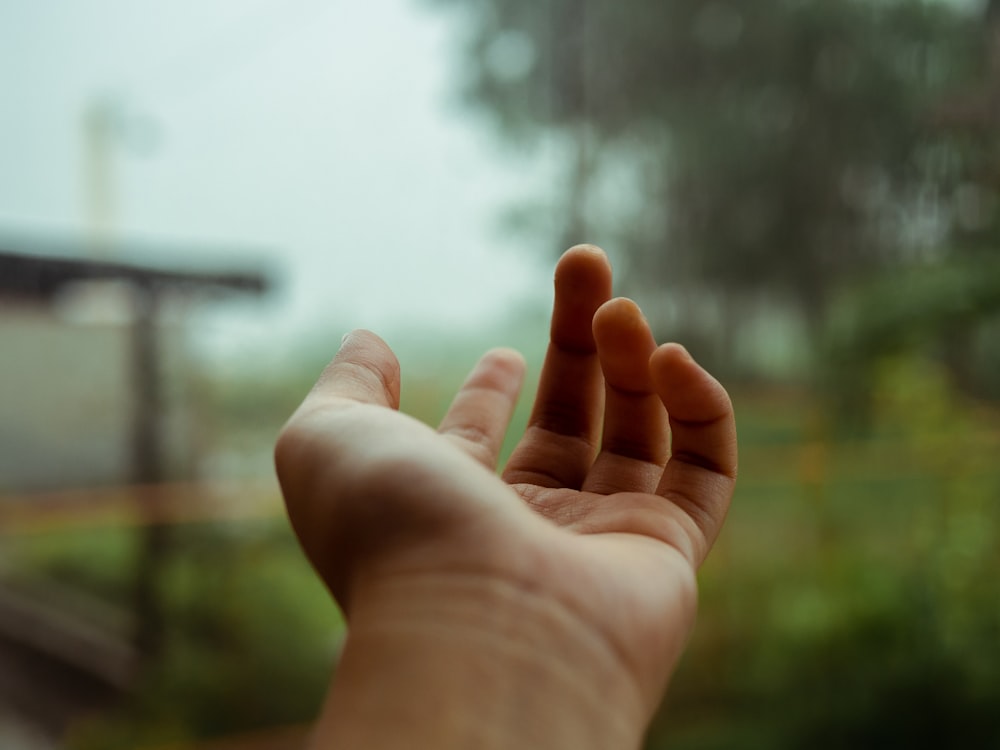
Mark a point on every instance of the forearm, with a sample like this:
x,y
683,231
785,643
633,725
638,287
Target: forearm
x,y
498,677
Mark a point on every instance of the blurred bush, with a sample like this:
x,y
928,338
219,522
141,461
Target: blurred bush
x,y
250,633
865,615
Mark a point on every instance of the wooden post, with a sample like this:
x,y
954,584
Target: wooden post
x,y
148,469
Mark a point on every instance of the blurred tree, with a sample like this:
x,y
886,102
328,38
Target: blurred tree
x,y
779,150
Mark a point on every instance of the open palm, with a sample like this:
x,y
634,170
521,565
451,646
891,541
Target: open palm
x,y
608,504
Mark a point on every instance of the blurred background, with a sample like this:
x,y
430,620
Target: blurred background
x,y
198,200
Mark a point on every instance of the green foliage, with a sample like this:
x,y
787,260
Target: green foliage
x,y
251,638
92,562
946,309
854,606
915,306
766,155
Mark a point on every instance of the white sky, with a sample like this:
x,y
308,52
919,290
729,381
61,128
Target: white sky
x,y
325,132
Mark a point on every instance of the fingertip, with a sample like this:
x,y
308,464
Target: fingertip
x,y
624,344
362,337
671,353
503,362
688,390
618,313
364,368
583,264
582,284
507,355
585,251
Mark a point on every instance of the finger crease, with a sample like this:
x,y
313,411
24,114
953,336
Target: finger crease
x,y
700,423
630,393
700,516
574,351
635,450
565,421
470,433
703,462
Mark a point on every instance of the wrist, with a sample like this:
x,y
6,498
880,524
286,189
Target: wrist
x,y
453,661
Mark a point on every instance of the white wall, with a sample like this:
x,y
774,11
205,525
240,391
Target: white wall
x,y
66,401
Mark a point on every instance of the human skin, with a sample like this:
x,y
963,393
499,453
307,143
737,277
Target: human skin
x,y
545,607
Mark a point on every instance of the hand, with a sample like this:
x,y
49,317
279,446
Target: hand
x,y
556,599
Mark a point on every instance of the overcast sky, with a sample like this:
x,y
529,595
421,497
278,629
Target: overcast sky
x,y
324,134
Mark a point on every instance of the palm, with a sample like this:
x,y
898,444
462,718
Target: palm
x,y
629,458
627,552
